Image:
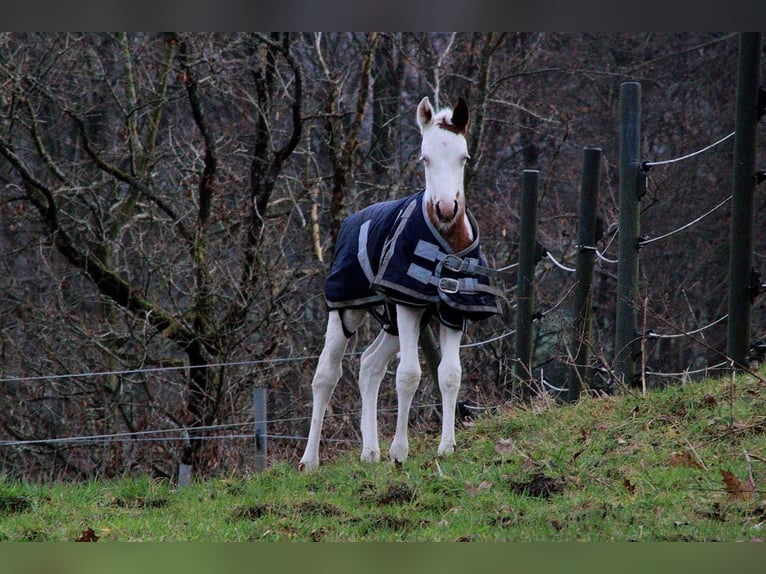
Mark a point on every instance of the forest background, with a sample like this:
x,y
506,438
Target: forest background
x,y
169,203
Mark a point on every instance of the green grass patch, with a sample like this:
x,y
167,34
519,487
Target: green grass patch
x,y
683,464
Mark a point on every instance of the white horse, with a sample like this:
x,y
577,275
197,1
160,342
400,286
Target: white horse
x,y
444,154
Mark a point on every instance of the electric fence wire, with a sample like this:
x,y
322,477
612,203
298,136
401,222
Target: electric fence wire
x,y
649,164
723,365
686,226
487,341
605,259
82,375
507,267
123,372
558,264
183,432
513,331
653,335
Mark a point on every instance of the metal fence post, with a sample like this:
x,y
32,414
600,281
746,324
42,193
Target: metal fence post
x,y
586,257
185,466
526,278
259,418
743,183
627,339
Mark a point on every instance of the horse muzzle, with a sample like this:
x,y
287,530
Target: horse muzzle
x,y
446,216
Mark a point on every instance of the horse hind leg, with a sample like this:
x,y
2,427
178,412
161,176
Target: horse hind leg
x,y
327,374
372,369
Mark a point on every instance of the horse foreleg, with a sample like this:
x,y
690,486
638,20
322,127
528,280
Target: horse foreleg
x,y
450,373
372,369
325,378
407,376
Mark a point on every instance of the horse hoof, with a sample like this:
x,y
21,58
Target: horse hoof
x,y
370,456
398,453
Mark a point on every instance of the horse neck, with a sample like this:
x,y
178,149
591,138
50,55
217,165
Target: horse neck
x,y
457,233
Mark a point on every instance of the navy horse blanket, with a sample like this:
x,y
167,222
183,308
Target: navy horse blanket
x,y
391,253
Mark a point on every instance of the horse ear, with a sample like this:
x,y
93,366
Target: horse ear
x,y
460,116
425,113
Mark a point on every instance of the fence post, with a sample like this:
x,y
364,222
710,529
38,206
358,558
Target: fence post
x,y
526,278
586,257
185,466
259,417
743,183
627,339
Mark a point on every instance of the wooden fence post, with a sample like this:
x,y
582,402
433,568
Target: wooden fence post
x,y
525,293
627,339
586,257
259,418
743,183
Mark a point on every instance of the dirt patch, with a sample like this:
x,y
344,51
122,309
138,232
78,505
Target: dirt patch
x,y
396,493
252,512
539,486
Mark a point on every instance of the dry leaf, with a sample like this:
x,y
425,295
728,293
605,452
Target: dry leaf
x,y
87,535
685,459
474,490
505,446
737,489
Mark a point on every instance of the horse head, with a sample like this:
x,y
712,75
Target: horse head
x,y
444,153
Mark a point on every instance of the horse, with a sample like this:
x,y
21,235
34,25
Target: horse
x,y
404,261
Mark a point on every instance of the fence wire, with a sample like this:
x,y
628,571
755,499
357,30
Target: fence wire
x,y
686,226
653,335
649,164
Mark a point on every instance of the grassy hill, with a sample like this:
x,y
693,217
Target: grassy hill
x,y
683,464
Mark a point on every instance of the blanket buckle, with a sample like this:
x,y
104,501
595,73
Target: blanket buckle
x,y
449,285
453,262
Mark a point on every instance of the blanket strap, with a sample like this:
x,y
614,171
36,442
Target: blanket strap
x,y
449,285
431,252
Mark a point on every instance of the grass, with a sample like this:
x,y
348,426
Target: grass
x,y
675,465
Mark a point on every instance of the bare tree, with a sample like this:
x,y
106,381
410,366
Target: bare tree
x,y
149,223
